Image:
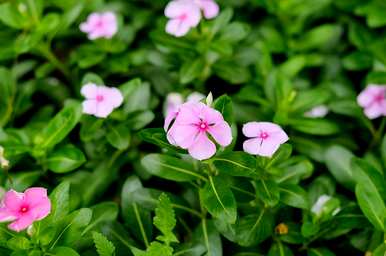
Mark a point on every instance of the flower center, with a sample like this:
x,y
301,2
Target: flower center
x,y
24,209
99,98
202,126
379,97
99,24
183,16
264,135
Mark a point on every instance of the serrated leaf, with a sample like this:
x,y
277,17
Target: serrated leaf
x,y
103,245
165,219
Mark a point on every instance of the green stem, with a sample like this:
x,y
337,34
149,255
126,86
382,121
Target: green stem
x,y
45,50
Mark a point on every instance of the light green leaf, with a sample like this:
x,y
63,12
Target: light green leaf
x,y
65,159
165,220
103,245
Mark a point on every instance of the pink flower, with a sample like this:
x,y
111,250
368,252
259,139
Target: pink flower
x,y
100,25
265,138
24,208
373,100
191,127
209,7
316,112
174,100
100,100
184,15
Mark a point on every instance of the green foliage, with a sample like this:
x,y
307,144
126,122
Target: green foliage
x,y
104,246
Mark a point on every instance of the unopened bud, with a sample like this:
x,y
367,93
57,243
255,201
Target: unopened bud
x,y
281,229
209,99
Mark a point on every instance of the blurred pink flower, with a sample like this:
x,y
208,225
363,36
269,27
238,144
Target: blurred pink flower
x,y
100,100
265,138
316,112
184,15
373,100
174,100
191,127
24,208
209,7
100,25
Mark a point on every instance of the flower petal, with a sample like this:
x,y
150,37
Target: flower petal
x,y
210,115
6,215
89,107
115,97
35,195
202,148
13,200
184,135
89,90
103,109
21,223
222,133
177,27
260,147
210,8
375,110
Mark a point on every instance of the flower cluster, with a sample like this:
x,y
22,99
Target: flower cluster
x,y
186,14
190,125
373,100
23,209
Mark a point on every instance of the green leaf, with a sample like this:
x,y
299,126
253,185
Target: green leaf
x,y
323,37
191,70
157,137
7,92
338,160
165,220
219,200
170,168
136,94
267,191
18,243
294,195
224,105
234,32
65,159
92,78
156,249
11,16
64,251
118,136
370,192
255,228
103,245
320,252
278,249
315,126
383,150
374,11
102,212
221,21
58,127
235,163
60,201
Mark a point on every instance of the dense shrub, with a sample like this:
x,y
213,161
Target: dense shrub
x,y
273,154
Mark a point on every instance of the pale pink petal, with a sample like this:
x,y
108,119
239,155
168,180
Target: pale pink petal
x,y
202,148
177,27
194,15
209,7
103,109
6,215
210,115
278,137
222,133
89,107
260,147
115,97
184,135
169,119
253,129
172,103
316,112
13,200
89,90
34,196
21,223
375,110
195,97
366,97
190,113
41,210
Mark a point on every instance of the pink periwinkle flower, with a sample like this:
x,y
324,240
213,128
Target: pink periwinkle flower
x,y
373,100
184,15
317,112
23,209
100,100
265,138
191,127
174,100
100,25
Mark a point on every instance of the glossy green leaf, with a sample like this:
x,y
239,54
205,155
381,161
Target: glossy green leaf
x,y
294,195
235,164
267,191
65,159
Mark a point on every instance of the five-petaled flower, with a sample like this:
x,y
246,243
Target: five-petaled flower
x,y
265,138
373,100
100,100
186,14
24,208
191,127
100,25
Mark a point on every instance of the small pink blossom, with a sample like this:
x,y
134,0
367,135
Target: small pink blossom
x,y
184,15
24,208
191,127
373,100
209,7
265,138
100,100
100,25
317,112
